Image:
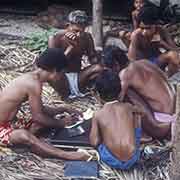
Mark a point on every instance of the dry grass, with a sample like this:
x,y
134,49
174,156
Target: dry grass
x,y
15,61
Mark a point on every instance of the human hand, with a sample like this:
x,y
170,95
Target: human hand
x,y
67,120
139,110
75,113
72,38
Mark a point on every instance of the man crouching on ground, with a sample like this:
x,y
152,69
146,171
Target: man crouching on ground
x,y
76,43
29,87
116,128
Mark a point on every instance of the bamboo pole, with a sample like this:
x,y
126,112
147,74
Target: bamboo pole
x,y
175,159
97,23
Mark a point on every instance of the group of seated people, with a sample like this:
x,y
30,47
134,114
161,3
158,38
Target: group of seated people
x,y
137,99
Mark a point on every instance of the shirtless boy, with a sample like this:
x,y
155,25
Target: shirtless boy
x,y
125,35
116,128
75,42
138,4
29,87
150,41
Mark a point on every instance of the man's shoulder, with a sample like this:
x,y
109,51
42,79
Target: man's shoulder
x,y
147,66
140,64
31,81
60,33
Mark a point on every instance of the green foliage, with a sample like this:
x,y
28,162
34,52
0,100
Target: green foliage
x,y
39,40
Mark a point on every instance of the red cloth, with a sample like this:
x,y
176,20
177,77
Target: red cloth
x,y
6,128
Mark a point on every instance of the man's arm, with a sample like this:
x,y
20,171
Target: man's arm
x,y
135,19
94,134
53,111
138,113
90,50
167,42
125,83
38,116
54,40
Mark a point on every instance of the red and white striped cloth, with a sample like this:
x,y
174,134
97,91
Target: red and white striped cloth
x,y
7,127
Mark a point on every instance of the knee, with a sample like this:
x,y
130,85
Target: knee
x,y
21,136
136,35
26,137
172,54
98,68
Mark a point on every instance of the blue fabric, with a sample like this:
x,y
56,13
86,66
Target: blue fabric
x,y
108,158
81,169
155,60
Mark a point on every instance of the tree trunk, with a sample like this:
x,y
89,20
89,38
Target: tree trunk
x,y
97,23
175,159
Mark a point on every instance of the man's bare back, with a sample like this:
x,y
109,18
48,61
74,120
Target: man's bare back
x,y
116,124
150,83
15,93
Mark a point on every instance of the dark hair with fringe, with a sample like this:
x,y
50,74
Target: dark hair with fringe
x,y
112,55
149,14
52,58
108,85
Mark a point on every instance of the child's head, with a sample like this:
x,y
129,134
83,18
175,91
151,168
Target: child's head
x,y
52,59
138,4
108,85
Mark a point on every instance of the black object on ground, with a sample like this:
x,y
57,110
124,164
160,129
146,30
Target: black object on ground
x,y
63,136
81,169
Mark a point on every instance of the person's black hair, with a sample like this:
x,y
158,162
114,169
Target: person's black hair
x,y
112,55
108,85
52,59
149,14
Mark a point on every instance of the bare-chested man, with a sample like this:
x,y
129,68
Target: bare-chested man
x,y
116,128
152,85
29,87
75,42
158,129
138,4
152,42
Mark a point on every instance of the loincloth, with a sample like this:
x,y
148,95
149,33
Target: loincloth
x,y
6,129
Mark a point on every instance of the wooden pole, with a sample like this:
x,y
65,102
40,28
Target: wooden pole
x,y
97,23
175,159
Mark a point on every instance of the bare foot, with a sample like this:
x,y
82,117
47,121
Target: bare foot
x,y
145,138
82,156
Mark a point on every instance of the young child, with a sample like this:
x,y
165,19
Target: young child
x,y
148,40
116,128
